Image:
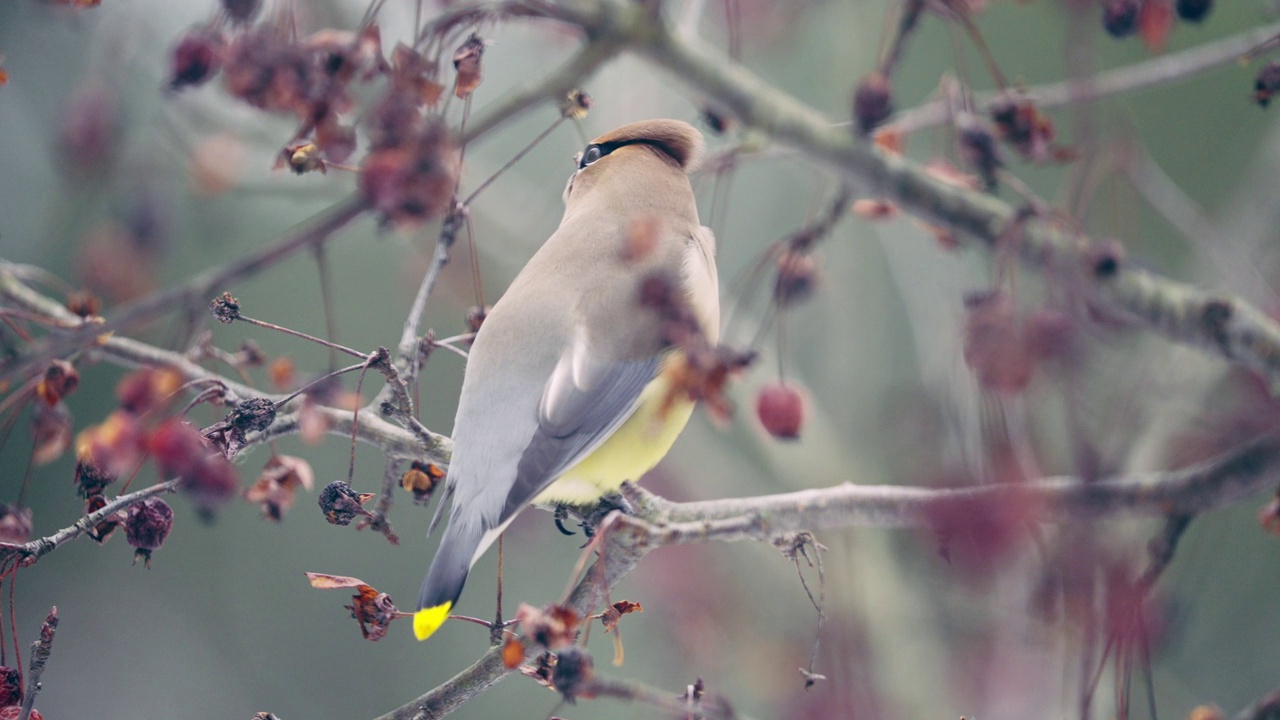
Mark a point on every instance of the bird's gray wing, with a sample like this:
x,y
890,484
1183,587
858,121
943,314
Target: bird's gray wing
x,y
586,399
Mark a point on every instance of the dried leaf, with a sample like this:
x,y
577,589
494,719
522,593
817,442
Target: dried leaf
x,y
422,479
890,139
278,483
513,653
467,61
51,430
993,343
102,532
373,610
874,209
302,158
60,379
552,627
612,614
324,581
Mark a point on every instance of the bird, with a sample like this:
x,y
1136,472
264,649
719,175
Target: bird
x,y
568,389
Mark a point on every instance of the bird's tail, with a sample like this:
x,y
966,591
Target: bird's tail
x,y
448,573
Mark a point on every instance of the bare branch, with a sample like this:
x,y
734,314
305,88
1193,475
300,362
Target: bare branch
x,y
1216,322
32,551
40,650
1161,70
197,290
417,442
1266,708
659,522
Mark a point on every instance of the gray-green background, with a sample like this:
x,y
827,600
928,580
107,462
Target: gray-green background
x,y
224,625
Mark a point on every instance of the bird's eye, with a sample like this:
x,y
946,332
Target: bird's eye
x,y
590,155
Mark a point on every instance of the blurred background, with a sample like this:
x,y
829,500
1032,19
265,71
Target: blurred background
x,y
108,180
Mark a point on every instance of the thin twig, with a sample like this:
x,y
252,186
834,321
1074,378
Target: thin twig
x,y
1238,473
40,650
31,551
196,290
1174,67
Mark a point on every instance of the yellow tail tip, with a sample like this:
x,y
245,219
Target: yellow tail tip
x,y
427,620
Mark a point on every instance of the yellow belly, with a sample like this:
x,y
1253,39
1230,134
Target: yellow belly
x,y
630,452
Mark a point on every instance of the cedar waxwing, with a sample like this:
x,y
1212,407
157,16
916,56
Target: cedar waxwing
x,y
564,397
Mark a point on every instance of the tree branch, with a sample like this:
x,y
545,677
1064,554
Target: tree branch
x,y
32,551
198,289
1160,70
657,522
1217,322
40,650
373,429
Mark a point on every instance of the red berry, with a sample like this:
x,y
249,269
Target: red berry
x,y
781,411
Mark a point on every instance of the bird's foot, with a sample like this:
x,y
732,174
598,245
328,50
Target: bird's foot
x,y
562,514
592,517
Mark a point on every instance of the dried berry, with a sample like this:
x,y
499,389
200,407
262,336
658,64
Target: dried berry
x,y
60,380
475,317
254,415
146,526
797,276
242,11
1194,10
206,476
552,627
10,685
993,344
83,303
1049,334
91,127
1104,258
573,672
1023,125
872,102
412,180
979,149
103,530
718,122
92,479
13,712
14,523
340,504
249,354
1267,83
196,58
51,432
422,479
374,611
225,309
576,105
781,411
144,390
1120,17
116,444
